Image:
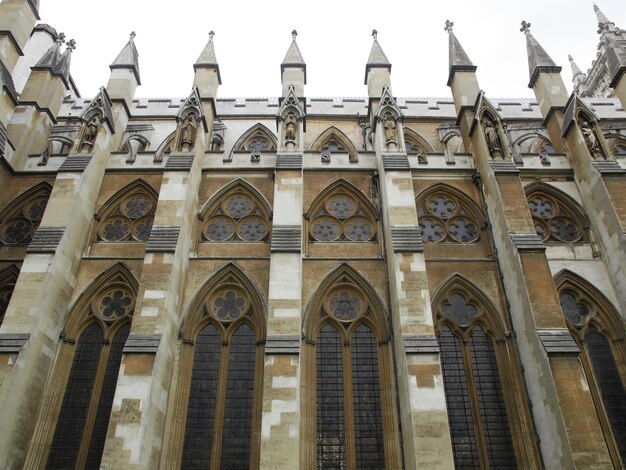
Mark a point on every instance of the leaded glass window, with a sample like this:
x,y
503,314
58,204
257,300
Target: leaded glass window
x,y
553,219
223,383
443,217
600,333
340,345
81,428
129,219
238,216
479,425
342,217
20,224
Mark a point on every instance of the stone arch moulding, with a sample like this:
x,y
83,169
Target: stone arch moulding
x,y
139,222
239,182
343,185
488,317
411,135
257,132
333,134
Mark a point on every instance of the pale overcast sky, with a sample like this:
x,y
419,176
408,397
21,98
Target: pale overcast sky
x,y
252,37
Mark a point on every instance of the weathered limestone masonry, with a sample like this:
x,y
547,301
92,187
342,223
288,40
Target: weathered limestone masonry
x,y
280,423
420,387
370,282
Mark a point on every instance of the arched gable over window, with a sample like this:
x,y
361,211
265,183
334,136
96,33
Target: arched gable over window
x,y
72,426
556,216
346,353
237,212
128,215
489,423
341,212
334,140
8,278
216,408
445,214
599,331
20,218
256,140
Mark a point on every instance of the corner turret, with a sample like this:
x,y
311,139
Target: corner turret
x,y
293,68
377,70
207,71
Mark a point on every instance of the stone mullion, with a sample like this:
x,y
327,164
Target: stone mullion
x,y
534,305
157,312
280,447
43,313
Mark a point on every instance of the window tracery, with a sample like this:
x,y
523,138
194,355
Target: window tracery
x,y
236,215
444,217
20,223
128,217
339,215
600,334
479,424
333,140
256,141
553,219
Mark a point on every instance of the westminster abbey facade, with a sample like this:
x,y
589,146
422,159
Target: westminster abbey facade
x,y
310,283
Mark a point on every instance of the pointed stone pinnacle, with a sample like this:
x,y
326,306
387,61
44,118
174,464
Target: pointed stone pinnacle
x,y
449,25
599,15
575,69
211,34
294,34
374,34
525,27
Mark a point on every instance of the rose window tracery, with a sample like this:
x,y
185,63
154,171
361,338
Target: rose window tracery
x,y
21,226
442,217
130,220
237,218
345,304
553,220
113,304
228,304
342,218
576,311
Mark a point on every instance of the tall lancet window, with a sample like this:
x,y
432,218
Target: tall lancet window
x,y
350,385
218,395
479,424
599,331
79,395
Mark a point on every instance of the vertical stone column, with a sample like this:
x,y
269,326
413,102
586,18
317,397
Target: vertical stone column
x,y
39,304
423,418
135,436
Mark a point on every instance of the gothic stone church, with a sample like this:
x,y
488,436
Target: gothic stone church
x,y
298,283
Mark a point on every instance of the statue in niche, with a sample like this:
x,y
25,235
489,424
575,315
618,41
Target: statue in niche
x,y
390,128
290,128
590,138
493,140
90,133
187,133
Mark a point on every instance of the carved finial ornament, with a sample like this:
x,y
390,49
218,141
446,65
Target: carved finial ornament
x,y
211,34
525,27
71,44
133,34
61,38
449,25
374,34
294,33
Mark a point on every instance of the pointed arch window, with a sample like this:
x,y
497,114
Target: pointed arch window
x,y
8,278
92,344
341,213
236,214
222,375
446,217
555,220
256,141
599,331
479,424
22,217
333,140
347,343
128,216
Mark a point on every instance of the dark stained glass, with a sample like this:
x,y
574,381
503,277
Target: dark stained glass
x,y
116,229
345,306
496,432
71,423
201,407
432,230
575,312
138,207
359,229
98,435
143,228
463,230
458,402
36,209
17,230
237,428
541,207
459,310
252,228
341,207
441,207
610,384
326,229
331,449
368,422
219,229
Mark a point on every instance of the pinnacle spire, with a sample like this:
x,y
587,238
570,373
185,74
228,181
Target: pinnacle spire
x,y
575,69
128,58
52,55
538,59
604,24
459,60
62,67
208,58
377,58
293,58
